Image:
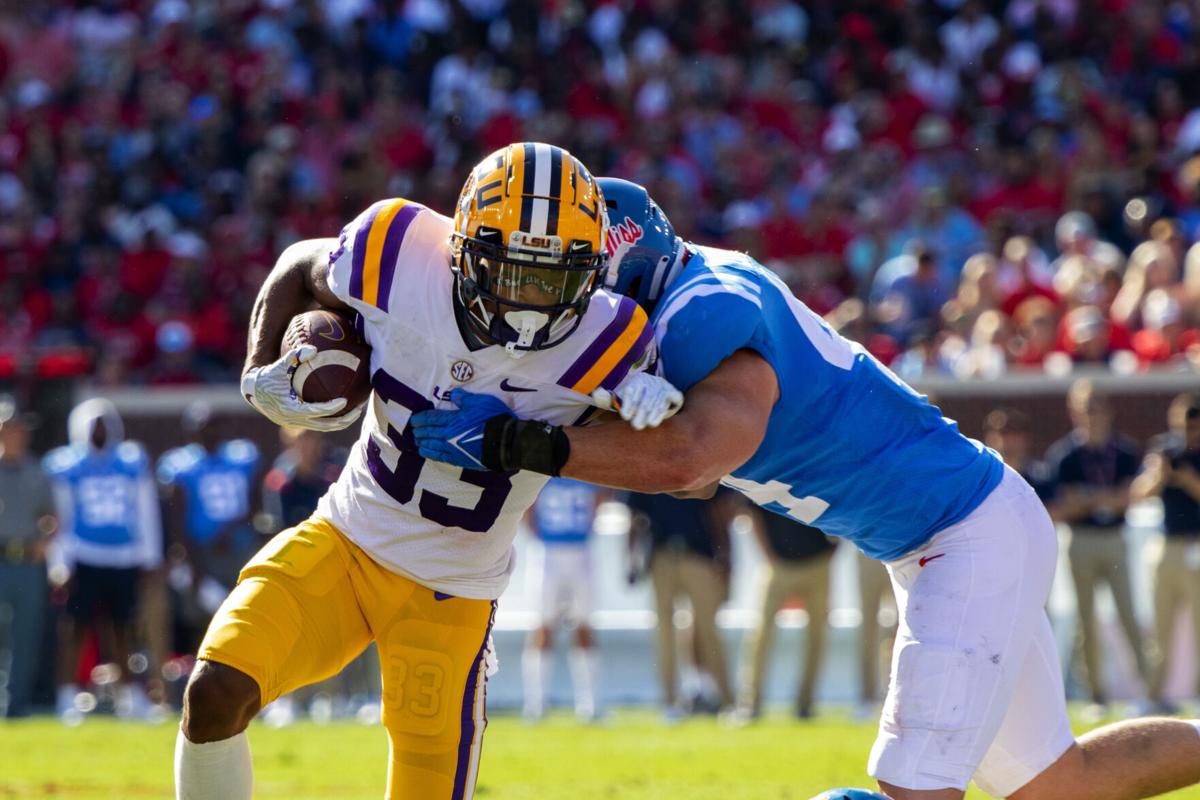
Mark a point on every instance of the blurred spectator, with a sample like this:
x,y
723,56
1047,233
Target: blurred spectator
x,y
925,356
1023,275
1164,338
1090,337
874,587
1006,430
152,163
1093,468
689,556
969,34
211,491
1036,321
911,293
111,535
1152,265
1172,473
561,573
300,476
27,523
983,354
797,566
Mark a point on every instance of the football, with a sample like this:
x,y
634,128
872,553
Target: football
x,y
342,366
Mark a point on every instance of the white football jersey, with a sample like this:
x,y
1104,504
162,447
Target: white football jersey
x,y
448,528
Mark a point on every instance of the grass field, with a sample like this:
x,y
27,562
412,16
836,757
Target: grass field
x,y
632,756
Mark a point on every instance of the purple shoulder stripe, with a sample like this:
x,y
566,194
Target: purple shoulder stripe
x,y
632,357
359,255
391,249
600,344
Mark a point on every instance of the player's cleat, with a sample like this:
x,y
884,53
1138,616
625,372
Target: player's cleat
x,y
849,794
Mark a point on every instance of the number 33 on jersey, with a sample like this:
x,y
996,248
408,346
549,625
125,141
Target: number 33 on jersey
x,y
448,528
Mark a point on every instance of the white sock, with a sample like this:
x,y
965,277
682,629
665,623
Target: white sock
x,y
213,770
537,667
583,678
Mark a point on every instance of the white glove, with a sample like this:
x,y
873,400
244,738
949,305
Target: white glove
x,y
642,400
269,389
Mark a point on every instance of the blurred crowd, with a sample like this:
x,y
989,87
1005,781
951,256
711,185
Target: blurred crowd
x,y
966,186
113,560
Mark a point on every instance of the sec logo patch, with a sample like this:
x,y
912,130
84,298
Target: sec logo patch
x,y
462,371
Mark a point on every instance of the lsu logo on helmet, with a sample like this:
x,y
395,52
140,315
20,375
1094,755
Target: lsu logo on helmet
x,y
528,248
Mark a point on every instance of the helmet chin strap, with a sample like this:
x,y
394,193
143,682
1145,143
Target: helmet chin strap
x,y
526,324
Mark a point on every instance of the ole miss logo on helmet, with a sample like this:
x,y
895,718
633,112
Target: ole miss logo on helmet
x,y
621,237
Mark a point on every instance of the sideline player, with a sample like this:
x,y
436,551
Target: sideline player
x,y
110,545
807,424
405,552
561,571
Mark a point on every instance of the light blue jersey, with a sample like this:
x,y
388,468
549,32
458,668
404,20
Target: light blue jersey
x,y
108,511
216,486
849,448
564,511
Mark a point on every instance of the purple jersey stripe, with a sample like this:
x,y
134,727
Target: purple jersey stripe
x,y
391,249
467,735
359,256
600,344
636,352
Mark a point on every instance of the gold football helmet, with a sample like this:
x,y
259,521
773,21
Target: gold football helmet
x,y
527,249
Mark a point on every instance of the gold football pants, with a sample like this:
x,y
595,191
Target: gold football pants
x,y
310,601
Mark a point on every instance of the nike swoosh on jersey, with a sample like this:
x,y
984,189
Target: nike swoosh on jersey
x,y
508,387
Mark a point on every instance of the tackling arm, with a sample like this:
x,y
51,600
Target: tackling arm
x,y
722,423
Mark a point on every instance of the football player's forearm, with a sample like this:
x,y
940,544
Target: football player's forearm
x,y
292,287
664,461
723,421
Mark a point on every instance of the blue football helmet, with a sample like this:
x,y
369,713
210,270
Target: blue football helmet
x,y
644,253
849,794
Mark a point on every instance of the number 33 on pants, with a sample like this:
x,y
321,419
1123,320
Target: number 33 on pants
x,y
311,600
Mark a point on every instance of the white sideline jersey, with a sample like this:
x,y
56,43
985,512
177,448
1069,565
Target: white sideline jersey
x,y
448,528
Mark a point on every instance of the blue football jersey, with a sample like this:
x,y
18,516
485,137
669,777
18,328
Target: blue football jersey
x,y
849,447
99,492
564,511
216,486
